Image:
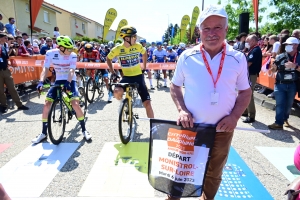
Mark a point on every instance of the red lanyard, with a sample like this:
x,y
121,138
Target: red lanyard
x,y
208,67
295,56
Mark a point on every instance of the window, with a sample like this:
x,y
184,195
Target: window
x,y
46,17
27,7
83,26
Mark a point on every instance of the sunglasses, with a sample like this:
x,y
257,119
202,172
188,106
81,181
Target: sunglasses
x,y
134,36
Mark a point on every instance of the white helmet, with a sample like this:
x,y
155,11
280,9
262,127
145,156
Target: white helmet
x,y
102,46
110,44
181,45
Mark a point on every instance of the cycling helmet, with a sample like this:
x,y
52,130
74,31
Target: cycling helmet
x,y
102,46
153,43
169,48
127,31
143,41
65,41
181,45
158,43
110,44
105,47
165,44
88,47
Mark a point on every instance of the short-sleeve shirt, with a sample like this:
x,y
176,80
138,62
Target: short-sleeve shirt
x,y
44,49
192,72
61,63
255,57
171,56
128,58
160,54
11,28
21,50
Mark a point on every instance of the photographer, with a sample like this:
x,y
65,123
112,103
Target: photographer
x,y
13,49
287,66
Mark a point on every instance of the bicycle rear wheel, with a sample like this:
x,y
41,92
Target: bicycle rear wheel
x,y
57,121
125,122
90,90
82,100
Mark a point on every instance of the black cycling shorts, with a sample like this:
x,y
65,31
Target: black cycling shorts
x,y
143,91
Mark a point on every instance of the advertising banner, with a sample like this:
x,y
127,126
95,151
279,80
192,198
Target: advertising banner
x,y
110,16
178,157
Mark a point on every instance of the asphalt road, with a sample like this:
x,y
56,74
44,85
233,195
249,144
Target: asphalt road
x,y
19,127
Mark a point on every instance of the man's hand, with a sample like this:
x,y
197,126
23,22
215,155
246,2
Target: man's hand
x,y
186,119
40,86
227,124
290,65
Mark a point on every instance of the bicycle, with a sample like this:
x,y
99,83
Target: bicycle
x,y
127,120
61,112
93,84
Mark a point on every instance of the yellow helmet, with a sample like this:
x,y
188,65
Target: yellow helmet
x,y
127,31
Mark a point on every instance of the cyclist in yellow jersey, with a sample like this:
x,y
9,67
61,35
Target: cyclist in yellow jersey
x,y
128,54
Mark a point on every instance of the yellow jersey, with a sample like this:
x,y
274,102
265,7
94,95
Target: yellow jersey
x,y
128,58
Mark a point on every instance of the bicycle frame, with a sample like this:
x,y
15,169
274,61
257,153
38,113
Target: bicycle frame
x,y
129,96
59,96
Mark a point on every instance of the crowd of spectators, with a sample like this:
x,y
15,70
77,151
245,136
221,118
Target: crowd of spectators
x,y
278,53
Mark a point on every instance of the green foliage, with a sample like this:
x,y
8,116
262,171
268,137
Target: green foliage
x,y
96,40
234,8
77,38
118,41
176,39
286,16
168,32
85,38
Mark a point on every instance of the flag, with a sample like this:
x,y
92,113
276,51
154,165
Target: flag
x,y
184,22
172,33
76,25
110,17
265,64
194,19
178,157
122,23
255,8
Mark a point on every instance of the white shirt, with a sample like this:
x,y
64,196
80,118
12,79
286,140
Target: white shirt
x,y
62,64
199,86
276,46
56,34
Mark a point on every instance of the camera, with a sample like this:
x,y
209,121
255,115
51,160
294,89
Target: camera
x,y
280,63
16,45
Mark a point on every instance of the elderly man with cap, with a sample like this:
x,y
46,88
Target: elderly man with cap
x,y
211,72
7,79
287,66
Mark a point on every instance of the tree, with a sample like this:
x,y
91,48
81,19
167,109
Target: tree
x,y
168,33
234,8
286,16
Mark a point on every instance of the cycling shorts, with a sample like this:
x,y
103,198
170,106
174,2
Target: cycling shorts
x,y
142,90
52,93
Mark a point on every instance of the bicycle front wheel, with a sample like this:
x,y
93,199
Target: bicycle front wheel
x,y
125,122
57,121
90,90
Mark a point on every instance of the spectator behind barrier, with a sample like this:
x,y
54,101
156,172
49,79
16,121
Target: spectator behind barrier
x,y
28,47
47,46
10,27
21,49
35,48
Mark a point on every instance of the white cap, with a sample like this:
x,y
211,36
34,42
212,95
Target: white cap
x,y
291,40
35,44
213,10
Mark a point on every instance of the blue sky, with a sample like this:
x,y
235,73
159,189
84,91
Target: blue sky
x,y
150,17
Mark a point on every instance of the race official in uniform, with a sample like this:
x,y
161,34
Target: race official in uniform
x,y
254,59
211,72
7,79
